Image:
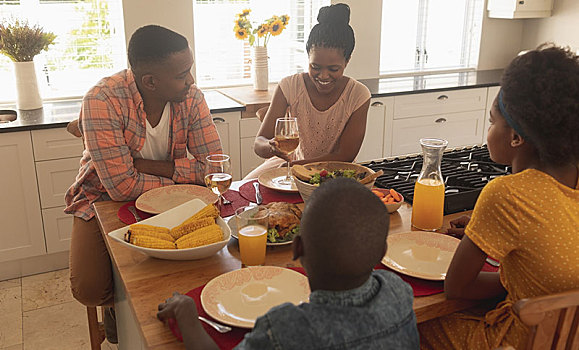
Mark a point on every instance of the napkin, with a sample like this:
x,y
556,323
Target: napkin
x,y
127,217
268,195
237,201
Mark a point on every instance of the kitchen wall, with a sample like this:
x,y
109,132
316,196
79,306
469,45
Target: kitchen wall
x,y
562,27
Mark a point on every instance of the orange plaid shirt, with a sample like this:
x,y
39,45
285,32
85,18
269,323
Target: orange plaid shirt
x,y
113,124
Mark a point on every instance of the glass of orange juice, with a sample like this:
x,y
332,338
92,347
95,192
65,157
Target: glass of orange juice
x,y
252,224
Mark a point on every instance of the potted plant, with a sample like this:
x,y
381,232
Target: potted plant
x,y
244,29
21,42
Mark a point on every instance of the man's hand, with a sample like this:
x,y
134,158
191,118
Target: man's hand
x,y
178,304
457,226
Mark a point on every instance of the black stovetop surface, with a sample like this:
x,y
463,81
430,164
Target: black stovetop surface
x,y
465,172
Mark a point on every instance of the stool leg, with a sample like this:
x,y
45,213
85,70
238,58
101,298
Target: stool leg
x,y
96,330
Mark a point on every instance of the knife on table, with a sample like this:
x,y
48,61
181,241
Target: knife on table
x,y
258,198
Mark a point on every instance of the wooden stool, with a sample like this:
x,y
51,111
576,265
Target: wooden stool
x,y
96,329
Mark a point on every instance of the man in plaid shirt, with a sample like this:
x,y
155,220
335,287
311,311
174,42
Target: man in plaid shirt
x,y
137,127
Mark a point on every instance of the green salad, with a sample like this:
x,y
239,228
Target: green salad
x,y
274,237
325,175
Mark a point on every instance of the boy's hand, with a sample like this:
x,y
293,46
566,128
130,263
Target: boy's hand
x,y
457,226
177,305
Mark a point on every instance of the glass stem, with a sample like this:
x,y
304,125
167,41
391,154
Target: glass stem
x,y
289,174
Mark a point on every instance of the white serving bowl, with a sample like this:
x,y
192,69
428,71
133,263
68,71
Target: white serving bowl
x,y
172,218
306,189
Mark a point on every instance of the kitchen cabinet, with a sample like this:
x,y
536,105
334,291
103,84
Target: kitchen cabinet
x,y
227,125
378,122
248,129
515,9
57,159
21,233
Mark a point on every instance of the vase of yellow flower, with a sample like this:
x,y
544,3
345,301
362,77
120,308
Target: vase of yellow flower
x,y
258,38
21,42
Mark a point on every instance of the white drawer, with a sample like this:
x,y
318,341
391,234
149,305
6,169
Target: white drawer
x,y
55,144
460,129
249,127
57,229
54,178
249,160
431,103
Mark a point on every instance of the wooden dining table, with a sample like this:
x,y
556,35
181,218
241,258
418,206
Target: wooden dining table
x,y
141,282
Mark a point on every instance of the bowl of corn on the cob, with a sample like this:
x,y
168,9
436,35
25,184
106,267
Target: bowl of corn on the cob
x,y
190,231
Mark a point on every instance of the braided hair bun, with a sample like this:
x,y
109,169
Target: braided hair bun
x,y
338,14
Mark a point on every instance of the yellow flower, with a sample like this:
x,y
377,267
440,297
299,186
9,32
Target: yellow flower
x,y
285,19
241,33
276,27
245,13
262,30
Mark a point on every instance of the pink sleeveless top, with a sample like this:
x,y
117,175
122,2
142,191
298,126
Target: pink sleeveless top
x,y
321,130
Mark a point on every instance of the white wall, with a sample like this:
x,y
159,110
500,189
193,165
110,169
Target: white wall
x,y
365,18
561,28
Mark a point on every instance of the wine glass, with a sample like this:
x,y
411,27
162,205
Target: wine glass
x,y
288,139
218,175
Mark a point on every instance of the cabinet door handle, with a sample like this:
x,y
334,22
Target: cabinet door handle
x,y
377,104
442,98
440,120
218,119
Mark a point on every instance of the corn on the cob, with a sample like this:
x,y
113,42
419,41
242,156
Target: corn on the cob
x,y
188,227
148,230
151,242
203,236
209,211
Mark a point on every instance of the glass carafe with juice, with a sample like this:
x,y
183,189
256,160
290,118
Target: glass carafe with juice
x,y
428,202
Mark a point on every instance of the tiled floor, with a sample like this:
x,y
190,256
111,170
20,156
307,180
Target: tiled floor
x,y
39,312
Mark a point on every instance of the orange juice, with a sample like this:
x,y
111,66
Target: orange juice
x,y
252,241
428,204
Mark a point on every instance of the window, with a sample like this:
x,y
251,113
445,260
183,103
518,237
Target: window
x,y
430,35
90,44
223,60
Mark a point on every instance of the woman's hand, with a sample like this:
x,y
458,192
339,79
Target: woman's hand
x,y
274,147
457,226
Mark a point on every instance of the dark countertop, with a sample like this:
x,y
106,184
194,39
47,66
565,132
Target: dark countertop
x,y
430,83
58,113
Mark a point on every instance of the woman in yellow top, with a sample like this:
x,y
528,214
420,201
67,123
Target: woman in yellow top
x,y
528,220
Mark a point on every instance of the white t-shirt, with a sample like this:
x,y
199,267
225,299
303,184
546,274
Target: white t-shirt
x,y
156,145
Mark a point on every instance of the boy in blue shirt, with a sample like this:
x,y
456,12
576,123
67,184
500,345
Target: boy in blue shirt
x,y
342,237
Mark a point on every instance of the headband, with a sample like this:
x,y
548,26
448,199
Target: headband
x,y
512,123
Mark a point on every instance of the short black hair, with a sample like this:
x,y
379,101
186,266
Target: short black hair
x,y
541,93
333,30
345,227
153,44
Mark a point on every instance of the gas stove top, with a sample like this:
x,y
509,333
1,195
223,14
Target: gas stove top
x,y
465,172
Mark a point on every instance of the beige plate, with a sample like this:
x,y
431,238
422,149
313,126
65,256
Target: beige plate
x,y
239,297
161,199
267,179
232,223
420,254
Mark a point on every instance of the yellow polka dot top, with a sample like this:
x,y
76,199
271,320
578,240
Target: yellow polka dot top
x,y
530,222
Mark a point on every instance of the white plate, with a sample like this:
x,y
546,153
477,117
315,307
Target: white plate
x,y
172,218
421,254
269,177
232,223
161,199
239,297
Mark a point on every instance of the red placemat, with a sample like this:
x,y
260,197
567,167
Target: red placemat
x,y
127,217
237,201
268,195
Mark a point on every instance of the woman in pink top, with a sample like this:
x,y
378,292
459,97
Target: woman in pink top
x,y
330,107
